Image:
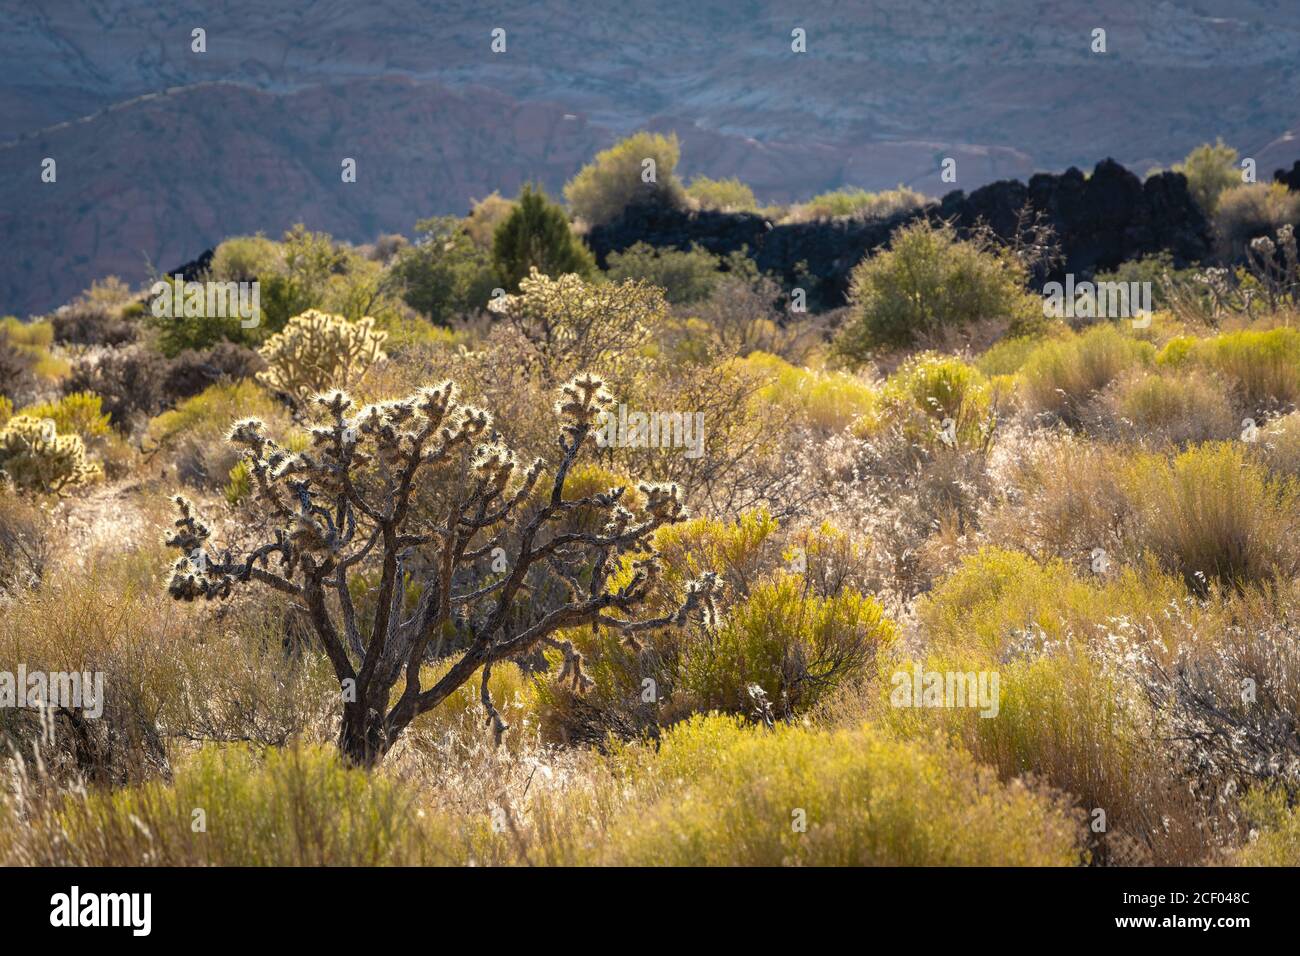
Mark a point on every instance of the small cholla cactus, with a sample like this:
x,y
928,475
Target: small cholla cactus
x,y
36,457
1276,266
357,502
316,352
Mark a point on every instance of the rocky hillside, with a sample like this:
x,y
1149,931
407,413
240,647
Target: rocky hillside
x,y
163,151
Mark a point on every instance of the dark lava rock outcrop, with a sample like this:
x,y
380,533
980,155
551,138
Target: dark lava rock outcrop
x,y
1100,221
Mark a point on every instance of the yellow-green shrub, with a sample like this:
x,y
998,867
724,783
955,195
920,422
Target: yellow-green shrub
x,y
1061,376
740,551
604,187
1213,514
928,280
1179,408
80,413
829,401
34,339
930,389
294,807
996,598
244,258
793,644
727,195
720,794
1275,831
1263,366
1007,355
859,203
1066,720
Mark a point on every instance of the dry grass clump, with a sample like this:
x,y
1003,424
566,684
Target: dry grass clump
x,y
1211,514
1163,409
1062,376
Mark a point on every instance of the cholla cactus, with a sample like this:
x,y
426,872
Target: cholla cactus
x,y
1276,266
316,352
479,559
35,456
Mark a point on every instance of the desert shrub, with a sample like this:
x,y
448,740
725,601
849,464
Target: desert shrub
x,y
1211,171
740,453
254,676
795,646
28,335
78,413
130,381
744,314
1061,377
35,457
1275,831
570,324
1251,211
724,195
191,327
445,273
1211,514
316,352
92,323
937,398
28,346
386,247
1006,356
741,552
1154,408
785,641
99,618
926,280
998,599
718,793
1263,366
1157,270
192,435
826,400
485,215
304,270
246,258
1076,724
613,180
1227,703
685,276
135,380
858,203
299,806
191,372
536,235
1060,496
